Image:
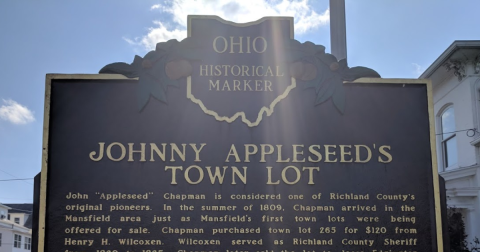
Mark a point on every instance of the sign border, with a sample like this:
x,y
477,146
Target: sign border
x,y
46,131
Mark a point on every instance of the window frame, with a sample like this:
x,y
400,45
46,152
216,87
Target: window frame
x,y
450,136
17,243
28,243
445,149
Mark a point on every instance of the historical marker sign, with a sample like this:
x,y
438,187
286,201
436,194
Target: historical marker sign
x,y
238,138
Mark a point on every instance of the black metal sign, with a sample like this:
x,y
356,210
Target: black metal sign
x,y
238,138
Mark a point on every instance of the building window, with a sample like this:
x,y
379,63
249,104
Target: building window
x,y
449,141
17,242
17,220
28,243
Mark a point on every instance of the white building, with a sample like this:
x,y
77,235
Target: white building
x,y
14,237
455,77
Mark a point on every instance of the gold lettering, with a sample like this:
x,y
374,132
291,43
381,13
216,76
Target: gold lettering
x,y
237,69
247,84
255,45
174,173
153,147
218,70
328,153
225,44
385,153
358,158
214,85
238,43
268,85
141,151
236,85
312,150
197,151
225,85
243,177
202,69
217,174
269,71
296,152
310,173
264,152
122,148
284,175
269,177
200,177
180,154
100,152
257,85
233,152
343,153
277,72
245,70
256,70
279,157
250,149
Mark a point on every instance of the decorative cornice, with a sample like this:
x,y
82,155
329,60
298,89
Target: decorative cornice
x,y
463,192
455,46
458,68
475,142
467,206
460,173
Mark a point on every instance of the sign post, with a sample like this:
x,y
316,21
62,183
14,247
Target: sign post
x,y
338,29
238,138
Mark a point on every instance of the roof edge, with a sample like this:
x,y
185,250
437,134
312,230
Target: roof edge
x,y
456,45
5,206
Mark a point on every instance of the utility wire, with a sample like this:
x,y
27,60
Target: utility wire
x,y
15,176
473,130
14,179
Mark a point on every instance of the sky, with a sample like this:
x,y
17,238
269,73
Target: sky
x,y
397,38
